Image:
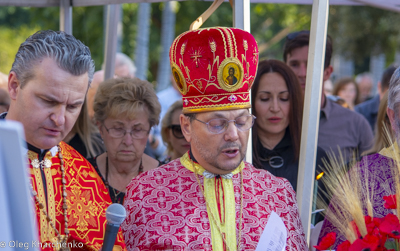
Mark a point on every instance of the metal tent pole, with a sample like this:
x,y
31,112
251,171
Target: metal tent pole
x,y
241,19
241,14
113,17
312,104
66,16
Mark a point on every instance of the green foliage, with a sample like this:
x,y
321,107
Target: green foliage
x,y
14,38
129,21
270,23
356,31
22,22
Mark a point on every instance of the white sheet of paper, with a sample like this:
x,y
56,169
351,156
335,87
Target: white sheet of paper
x,y
274,235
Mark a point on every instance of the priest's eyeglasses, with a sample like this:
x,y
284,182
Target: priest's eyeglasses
x,y
120,132
219,125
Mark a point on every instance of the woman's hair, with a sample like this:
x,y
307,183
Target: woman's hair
x,y
87,132
341,83
167,121
295,98
382,128
124,97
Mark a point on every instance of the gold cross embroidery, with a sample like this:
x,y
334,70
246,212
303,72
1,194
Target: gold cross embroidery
x,y
196,57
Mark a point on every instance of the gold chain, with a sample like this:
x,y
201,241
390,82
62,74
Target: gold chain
x,y
212,215
62,241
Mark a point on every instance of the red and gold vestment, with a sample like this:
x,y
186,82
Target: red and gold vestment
x,y
166,209
87,201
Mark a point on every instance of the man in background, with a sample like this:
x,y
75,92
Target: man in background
x,y
340,130
369,108
365,83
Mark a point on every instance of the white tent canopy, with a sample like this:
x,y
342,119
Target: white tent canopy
x,y
393,5
241,16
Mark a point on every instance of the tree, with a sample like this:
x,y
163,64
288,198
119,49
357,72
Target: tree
x,y
167,37
361,31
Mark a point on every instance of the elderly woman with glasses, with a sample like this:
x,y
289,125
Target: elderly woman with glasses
x,y
172,134
125,109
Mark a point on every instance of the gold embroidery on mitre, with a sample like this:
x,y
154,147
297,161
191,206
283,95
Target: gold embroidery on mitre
x,y
183,48
245,45
213,46
196,55
212,99
230,74
224,41
219,107
255,56
230,41
179,78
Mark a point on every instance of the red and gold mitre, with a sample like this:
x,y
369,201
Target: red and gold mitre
x,y
214,68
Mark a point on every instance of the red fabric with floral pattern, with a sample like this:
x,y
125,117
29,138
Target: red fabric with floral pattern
x,y
166,210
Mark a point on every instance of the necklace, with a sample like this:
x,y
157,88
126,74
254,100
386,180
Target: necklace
x,y
62,241
116,193
212,214
274,161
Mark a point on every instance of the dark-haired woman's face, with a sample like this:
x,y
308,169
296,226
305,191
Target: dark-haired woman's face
x,y
180,145
272,105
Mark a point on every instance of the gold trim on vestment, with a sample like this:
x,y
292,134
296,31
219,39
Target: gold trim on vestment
x,y
210,108
229,228
51,202
46,231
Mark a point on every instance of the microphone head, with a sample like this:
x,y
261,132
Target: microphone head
x,y
115,214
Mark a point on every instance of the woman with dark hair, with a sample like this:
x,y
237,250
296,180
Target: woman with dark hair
x,y
277,102
171,132
347,89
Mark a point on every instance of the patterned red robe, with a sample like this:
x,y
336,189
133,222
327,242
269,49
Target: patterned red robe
x,y
166,209
87,201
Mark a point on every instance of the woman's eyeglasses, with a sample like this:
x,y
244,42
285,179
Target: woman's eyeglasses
x,y
120,132
176,131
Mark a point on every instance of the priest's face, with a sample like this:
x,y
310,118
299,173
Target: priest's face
x,y
48,104
217,153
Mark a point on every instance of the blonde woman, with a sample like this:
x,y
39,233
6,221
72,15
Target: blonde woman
x,y
384,134
84,136
125,110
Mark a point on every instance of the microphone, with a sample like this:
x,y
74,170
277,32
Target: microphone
x,y
115,215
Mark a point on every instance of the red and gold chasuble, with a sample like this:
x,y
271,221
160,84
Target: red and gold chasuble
x,y
87,201
166,209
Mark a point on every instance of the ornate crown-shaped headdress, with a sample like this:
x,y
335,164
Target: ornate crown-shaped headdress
x,y
214,68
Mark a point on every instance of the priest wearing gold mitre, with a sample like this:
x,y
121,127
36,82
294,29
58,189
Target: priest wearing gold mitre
x,y
210,199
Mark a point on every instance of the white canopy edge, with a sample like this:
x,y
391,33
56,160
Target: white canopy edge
x,y
392,5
